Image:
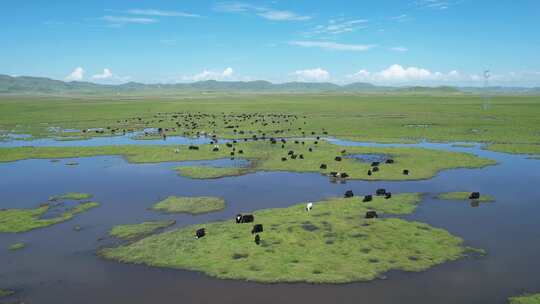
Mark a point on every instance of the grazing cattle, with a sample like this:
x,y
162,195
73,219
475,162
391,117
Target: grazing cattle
x,y
405,172
323,166
343,151
283,159
229,145
291,152
215,149
389,161
257,228
240,151
333,174
246,218
309,206
474,195
176,150
293,156
301,156
380,192
310,150
193,148
367,198
388,195
257,239
348,194
375,164
343,175
200,233
371,214
338,158
375,169
369,172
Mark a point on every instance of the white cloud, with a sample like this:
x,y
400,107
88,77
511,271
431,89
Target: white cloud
x,y
399,49
316,75
397,72
406,75
107,74
161,13
261,11
333,45
211,75
120,20
400,18
339,26
435,4
76,75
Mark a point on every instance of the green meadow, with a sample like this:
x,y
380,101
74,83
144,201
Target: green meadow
x,y
333,243
133,231
191,205
463,196
526,299
22,220
510,122
264,156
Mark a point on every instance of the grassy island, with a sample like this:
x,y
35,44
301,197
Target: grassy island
x,y
333,243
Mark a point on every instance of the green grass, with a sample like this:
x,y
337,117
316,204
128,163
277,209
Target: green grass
x,y
331,244
464,145
71,196
422,163
381,118
516,148
22,220
191,205
6,293
207,172
462,196
526,299
17,246
129,232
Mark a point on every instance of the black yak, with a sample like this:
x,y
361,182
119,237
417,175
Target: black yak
x,y
323,166
348,194
257,228
200,233
246,218
371,214
338,158
474,195
405,172
367,198
380,192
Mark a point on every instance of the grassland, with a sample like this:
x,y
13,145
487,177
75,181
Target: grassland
x,y
71,196
333,243
526,299
513,120
207,172
130,232
462,196
191,205
22,220
6,293
17,246
422,163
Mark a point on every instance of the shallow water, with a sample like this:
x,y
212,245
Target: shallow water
x,y
60,266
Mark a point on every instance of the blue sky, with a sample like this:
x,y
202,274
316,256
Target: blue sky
x,y
428,42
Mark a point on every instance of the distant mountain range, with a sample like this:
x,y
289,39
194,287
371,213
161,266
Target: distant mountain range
x,y
25,85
